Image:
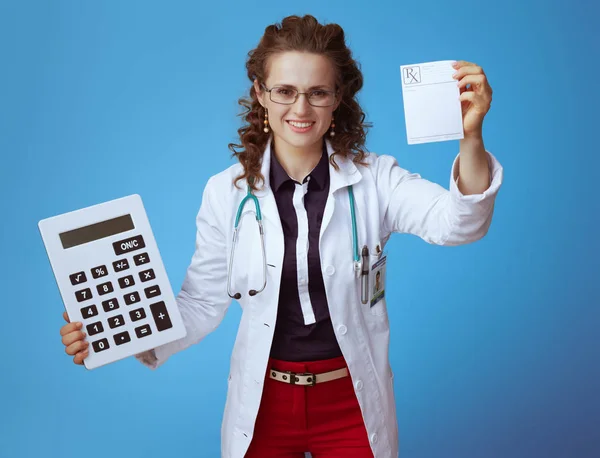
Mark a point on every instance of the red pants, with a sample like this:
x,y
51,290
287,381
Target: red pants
x,y
324,419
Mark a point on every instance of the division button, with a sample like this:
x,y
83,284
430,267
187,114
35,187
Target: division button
x,y
140,259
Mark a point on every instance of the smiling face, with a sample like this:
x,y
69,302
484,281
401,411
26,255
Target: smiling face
x,y
299,127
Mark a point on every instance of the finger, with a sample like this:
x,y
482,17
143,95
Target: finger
x,y
71,327
479,103
73,337
468,70
79,357
477,82
66,317
76,347
462,63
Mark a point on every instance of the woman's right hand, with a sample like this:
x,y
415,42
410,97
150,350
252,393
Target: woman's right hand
x,y
73,340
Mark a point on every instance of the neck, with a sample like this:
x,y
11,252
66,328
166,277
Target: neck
x,y
297,162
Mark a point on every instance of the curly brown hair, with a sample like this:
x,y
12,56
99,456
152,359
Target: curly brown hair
x,y
304,34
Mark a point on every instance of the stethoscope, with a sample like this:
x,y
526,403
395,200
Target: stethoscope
x,y
362,267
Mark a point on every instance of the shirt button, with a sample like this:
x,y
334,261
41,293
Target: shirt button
x,y
342,329
359,385
373,438
330,270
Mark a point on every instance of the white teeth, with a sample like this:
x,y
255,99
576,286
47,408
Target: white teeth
x,y
300,124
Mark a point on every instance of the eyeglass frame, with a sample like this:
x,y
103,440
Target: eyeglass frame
x,y
298,94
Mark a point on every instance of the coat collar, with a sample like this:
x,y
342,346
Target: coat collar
x,y
346,175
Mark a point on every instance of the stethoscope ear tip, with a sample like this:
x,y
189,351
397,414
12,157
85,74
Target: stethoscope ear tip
x,y
237,296
252,292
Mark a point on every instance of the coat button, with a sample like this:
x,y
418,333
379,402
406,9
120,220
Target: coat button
x,y
373,438
342,329
359,385
330,270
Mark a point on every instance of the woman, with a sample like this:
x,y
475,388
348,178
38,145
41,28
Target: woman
x,y
310,369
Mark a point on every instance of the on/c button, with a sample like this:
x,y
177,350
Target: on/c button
x,y
128,245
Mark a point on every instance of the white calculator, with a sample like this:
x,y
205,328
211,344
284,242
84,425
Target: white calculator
x,y
111,277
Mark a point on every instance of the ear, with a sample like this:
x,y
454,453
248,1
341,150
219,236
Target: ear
x,y
259,93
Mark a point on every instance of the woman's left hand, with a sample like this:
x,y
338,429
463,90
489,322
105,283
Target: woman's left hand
x,y
476,99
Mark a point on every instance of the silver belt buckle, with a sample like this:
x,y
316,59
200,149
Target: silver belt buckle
x,y
311,378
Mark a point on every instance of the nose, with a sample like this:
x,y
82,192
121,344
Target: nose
x,y
301,104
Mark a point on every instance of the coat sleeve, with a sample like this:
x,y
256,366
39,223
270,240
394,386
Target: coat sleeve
x,y
411,204
203,299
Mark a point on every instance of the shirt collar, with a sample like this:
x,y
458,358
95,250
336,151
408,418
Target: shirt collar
x,y
318,175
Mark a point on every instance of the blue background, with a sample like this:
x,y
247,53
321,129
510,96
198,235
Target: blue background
x,y
495,345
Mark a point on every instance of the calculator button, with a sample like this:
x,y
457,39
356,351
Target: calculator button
x,y
137,314
89,311
143,331
127,281
132,298
120,265
128,245
100,345
122,337
83,295
152,291
147,275
116,321
110,304
161,316
140,259
94,328
105,288
77,278
99,271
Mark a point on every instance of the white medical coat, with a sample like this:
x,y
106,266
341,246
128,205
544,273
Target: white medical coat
x,y
388,199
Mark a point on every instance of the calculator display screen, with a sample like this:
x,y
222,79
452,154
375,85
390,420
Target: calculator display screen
x,y
96,231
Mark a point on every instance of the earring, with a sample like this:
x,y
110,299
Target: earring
x,y
332,133
266,122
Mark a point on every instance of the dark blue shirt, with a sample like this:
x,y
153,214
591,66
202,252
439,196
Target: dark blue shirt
x,y
294,340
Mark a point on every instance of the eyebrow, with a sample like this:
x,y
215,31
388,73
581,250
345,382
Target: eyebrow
x,y
320,86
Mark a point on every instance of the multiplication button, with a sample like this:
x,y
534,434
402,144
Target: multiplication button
x,y
147,275
121,264
77,278
140,259
161,316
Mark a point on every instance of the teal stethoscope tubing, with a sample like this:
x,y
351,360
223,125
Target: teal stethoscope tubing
x,y
258,216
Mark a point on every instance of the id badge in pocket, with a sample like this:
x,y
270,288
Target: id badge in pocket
x,y
377,280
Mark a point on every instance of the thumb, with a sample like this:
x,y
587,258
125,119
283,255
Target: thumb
x,y
66,317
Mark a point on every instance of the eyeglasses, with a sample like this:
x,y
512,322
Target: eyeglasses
x,y
288,96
